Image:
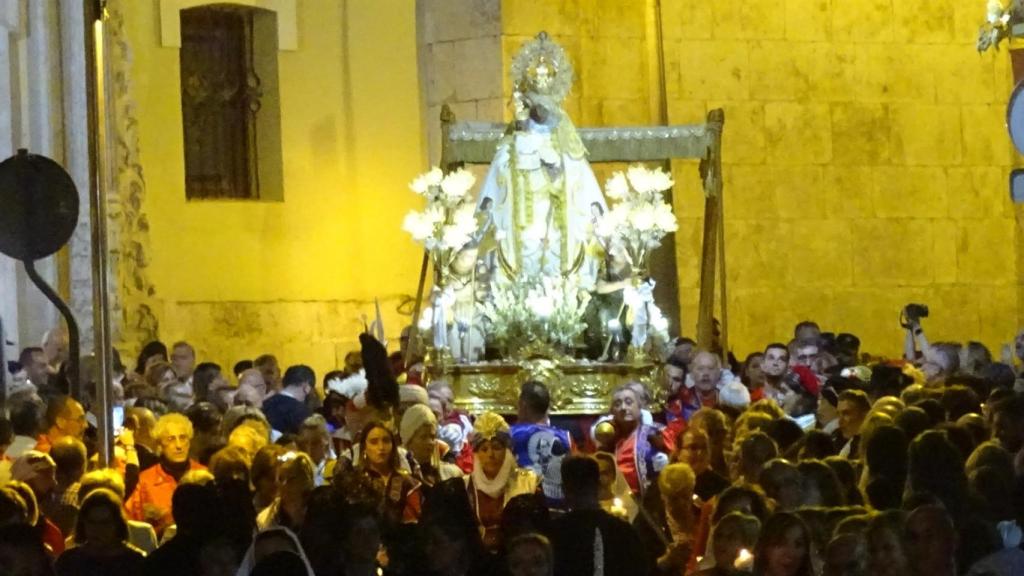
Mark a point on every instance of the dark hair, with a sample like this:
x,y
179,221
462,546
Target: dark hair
x,y
154,348
958,400
785,432
932,407
773,533
816,444
1012,406
581,475
23,542
26,417
230,463
847,476
886,454
57,408
196,509
241,366
747,363
731,495
264,462
524,514
205,417
204,375
370,427
26,355
857,397
535,397
937,467
280,563
265,359
825,479
69,456
101,498
805,324
913,421
999,375
299,375
13,509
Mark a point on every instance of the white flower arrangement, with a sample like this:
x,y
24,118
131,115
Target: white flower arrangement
x,y
448,222
999,22
640,217
547,310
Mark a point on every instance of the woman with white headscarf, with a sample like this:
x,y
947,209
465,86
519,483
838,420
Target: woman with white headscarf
x,y
419,437
496,478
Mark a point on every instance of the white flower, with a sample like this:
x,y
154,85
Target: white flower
x,y
418,225
995,12
454,237
644,180
612,222
617,187
422,183
434,214
665,219
457,184
643,218
465,217
541,305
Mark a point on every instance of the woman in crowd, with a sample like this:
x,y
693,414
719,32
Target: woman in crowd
x,y
295,482
419,436
398,494
616,497
885,544
101,538
496,478
784,548
315,440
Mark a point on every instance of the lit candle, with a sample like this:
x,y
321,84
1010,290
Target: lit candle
x,y
618,509
744,560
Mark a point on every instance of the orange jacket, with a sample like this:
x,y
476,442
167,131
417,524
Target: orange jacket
x,y
151,500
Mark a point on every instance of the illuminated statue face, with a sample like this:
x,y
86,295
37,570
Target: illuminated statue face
x,y
542,76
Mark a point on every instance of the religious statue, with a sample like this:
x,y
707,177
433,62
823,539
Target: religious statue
x,y
540,193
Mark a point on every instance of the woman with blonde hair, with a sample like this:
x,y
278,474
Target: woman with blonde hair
x,y
295,483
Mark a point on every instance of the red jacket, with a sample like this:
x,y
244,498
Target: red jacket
x,y
151,500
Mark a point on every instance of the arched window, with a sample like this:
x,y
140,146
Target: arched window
x,y
229,103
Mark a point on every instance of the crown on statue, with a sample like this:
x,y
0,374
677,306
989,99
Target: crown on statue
x,y
542,67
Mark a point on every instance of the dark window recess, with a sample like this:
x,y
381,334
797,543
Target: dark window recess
x,y
220,100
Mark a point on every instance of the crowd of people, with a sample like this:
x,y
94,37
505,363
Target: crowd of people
x,y
807,458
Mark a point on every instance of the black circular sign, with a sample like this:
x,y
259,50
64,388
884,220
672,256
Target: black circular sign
x,y
38,206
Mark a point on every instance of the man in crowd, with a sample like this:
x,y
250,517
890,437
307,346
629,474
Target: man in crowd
x,y
853,408
707,374
183,360
33,362
774,365
536,444
287,409
802,352
638,448
66,418
151,500
271,371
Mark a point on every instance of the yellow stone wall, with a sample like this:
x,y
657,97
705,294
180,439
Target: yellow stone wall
x,y
866,158
242,278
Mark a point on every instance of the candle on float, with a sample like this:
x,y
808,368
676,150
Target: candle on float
x,y
744,560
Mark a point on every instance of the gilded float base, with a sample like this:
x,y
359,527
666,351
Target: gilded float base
x,y
577,388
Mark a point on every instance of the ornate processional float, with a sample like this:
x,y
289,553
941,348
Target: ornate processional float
x,y
544,275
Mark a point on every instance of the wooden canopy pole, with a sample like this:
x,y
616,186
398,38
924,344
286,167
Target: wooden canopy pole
x,y
713,249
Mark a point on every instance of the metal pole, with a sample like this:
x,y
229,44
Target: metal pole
x,y
99,173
